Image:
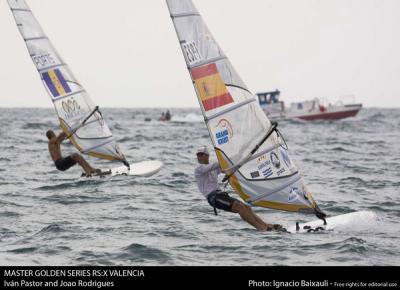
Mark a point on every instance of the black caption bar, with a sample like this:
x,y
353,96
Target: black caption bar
x,y
143,277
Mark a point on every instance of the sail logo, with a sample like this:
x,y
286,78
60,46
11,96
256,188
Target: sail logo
x,y
280,171
285,158
267,172
264,164
255,174
265,169
223,136
261,158
275,160
192,52
56,83
293,194
210,87
71,108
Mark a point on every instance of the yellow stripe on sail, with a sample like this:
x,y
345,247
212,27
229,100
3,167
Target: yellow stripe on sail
x,y
56,82
66,130
281,206
102,156
210,87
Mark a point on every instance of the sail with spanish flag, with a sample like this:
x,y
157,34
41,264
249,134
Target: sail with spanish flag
x,y
79,117
250,149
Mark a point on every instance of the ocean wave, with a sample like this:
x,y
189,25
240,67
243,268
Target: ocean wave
x,y
52,228
139,253
42,126
9,214
23,250
76,199
73,184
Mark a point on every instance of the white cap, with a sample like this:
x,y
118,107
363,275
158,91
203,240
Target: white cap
x,y
202,150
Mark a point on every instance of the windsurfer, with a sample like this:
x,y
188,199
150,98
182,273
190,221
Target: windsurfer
x,y
207,181
61,163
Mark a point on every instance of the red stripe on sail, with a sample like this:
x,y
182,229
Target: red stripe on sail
x,y
217,101
203,71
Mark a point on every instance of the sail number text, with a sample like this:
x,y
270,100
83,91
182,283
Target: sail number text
x,y
192,52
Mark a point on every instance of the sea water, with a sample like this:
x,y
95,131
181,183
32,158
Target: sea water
x,y
49,217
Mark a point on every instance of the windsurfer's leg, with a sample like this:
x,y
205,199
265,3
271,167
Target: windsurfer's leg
x,y
83,163
260,221
247,214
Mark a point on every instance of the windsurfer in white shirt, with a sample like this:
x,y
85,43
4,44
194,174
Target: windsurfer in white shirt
x,y
207,181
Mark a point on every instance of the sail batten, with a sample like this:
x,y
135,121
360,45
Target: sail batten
x,y
264,176
213,60
236,106
50,67
184,15
20,9
71,101
265,195
97,146
69,95
35,38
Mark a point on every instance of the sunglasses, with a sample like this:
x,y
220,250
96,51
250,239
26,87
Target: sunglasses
x,y
201,154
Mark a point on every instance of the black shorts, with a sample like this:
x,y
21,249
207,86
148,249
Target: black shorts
x,y
221,200
64,163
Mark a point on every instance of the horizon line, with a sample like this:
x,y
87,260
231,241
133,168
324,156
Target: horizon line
x,y
144,107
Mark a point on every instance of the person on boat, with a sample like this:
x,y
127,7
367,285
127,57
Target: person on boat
x,y
162,118
167,116
65,163
206,175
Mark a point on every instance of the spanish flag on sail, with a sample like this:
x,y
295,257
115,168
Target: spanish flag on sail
x,y
210,86
56,83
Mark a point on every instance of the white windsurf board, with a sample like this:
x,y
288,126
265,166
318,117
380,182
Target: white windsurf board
x,y
143,168
351,219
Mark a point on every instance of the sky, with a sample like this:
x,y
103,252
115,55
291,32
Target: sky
x,y
126,53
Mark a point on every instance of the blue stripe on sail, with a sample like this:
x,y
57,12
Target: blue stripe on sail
x,y
50,84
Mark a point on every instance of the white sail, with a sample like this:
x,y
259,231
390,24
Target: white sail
x,y
79,117
237,125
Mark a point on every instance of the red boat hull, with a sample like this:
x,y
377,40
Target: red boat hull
x,y
331,115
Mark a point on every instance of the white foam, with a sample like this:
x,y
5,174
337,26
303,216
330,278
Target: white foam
x,y
189,118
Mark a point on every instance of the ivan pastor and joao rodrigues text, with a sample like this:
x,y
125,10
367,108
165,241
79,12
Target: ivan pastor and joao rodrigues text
x,y
97,278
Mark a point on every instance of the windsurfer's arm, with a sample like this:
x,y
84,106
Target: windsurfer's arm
x,y
205,168
61,137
